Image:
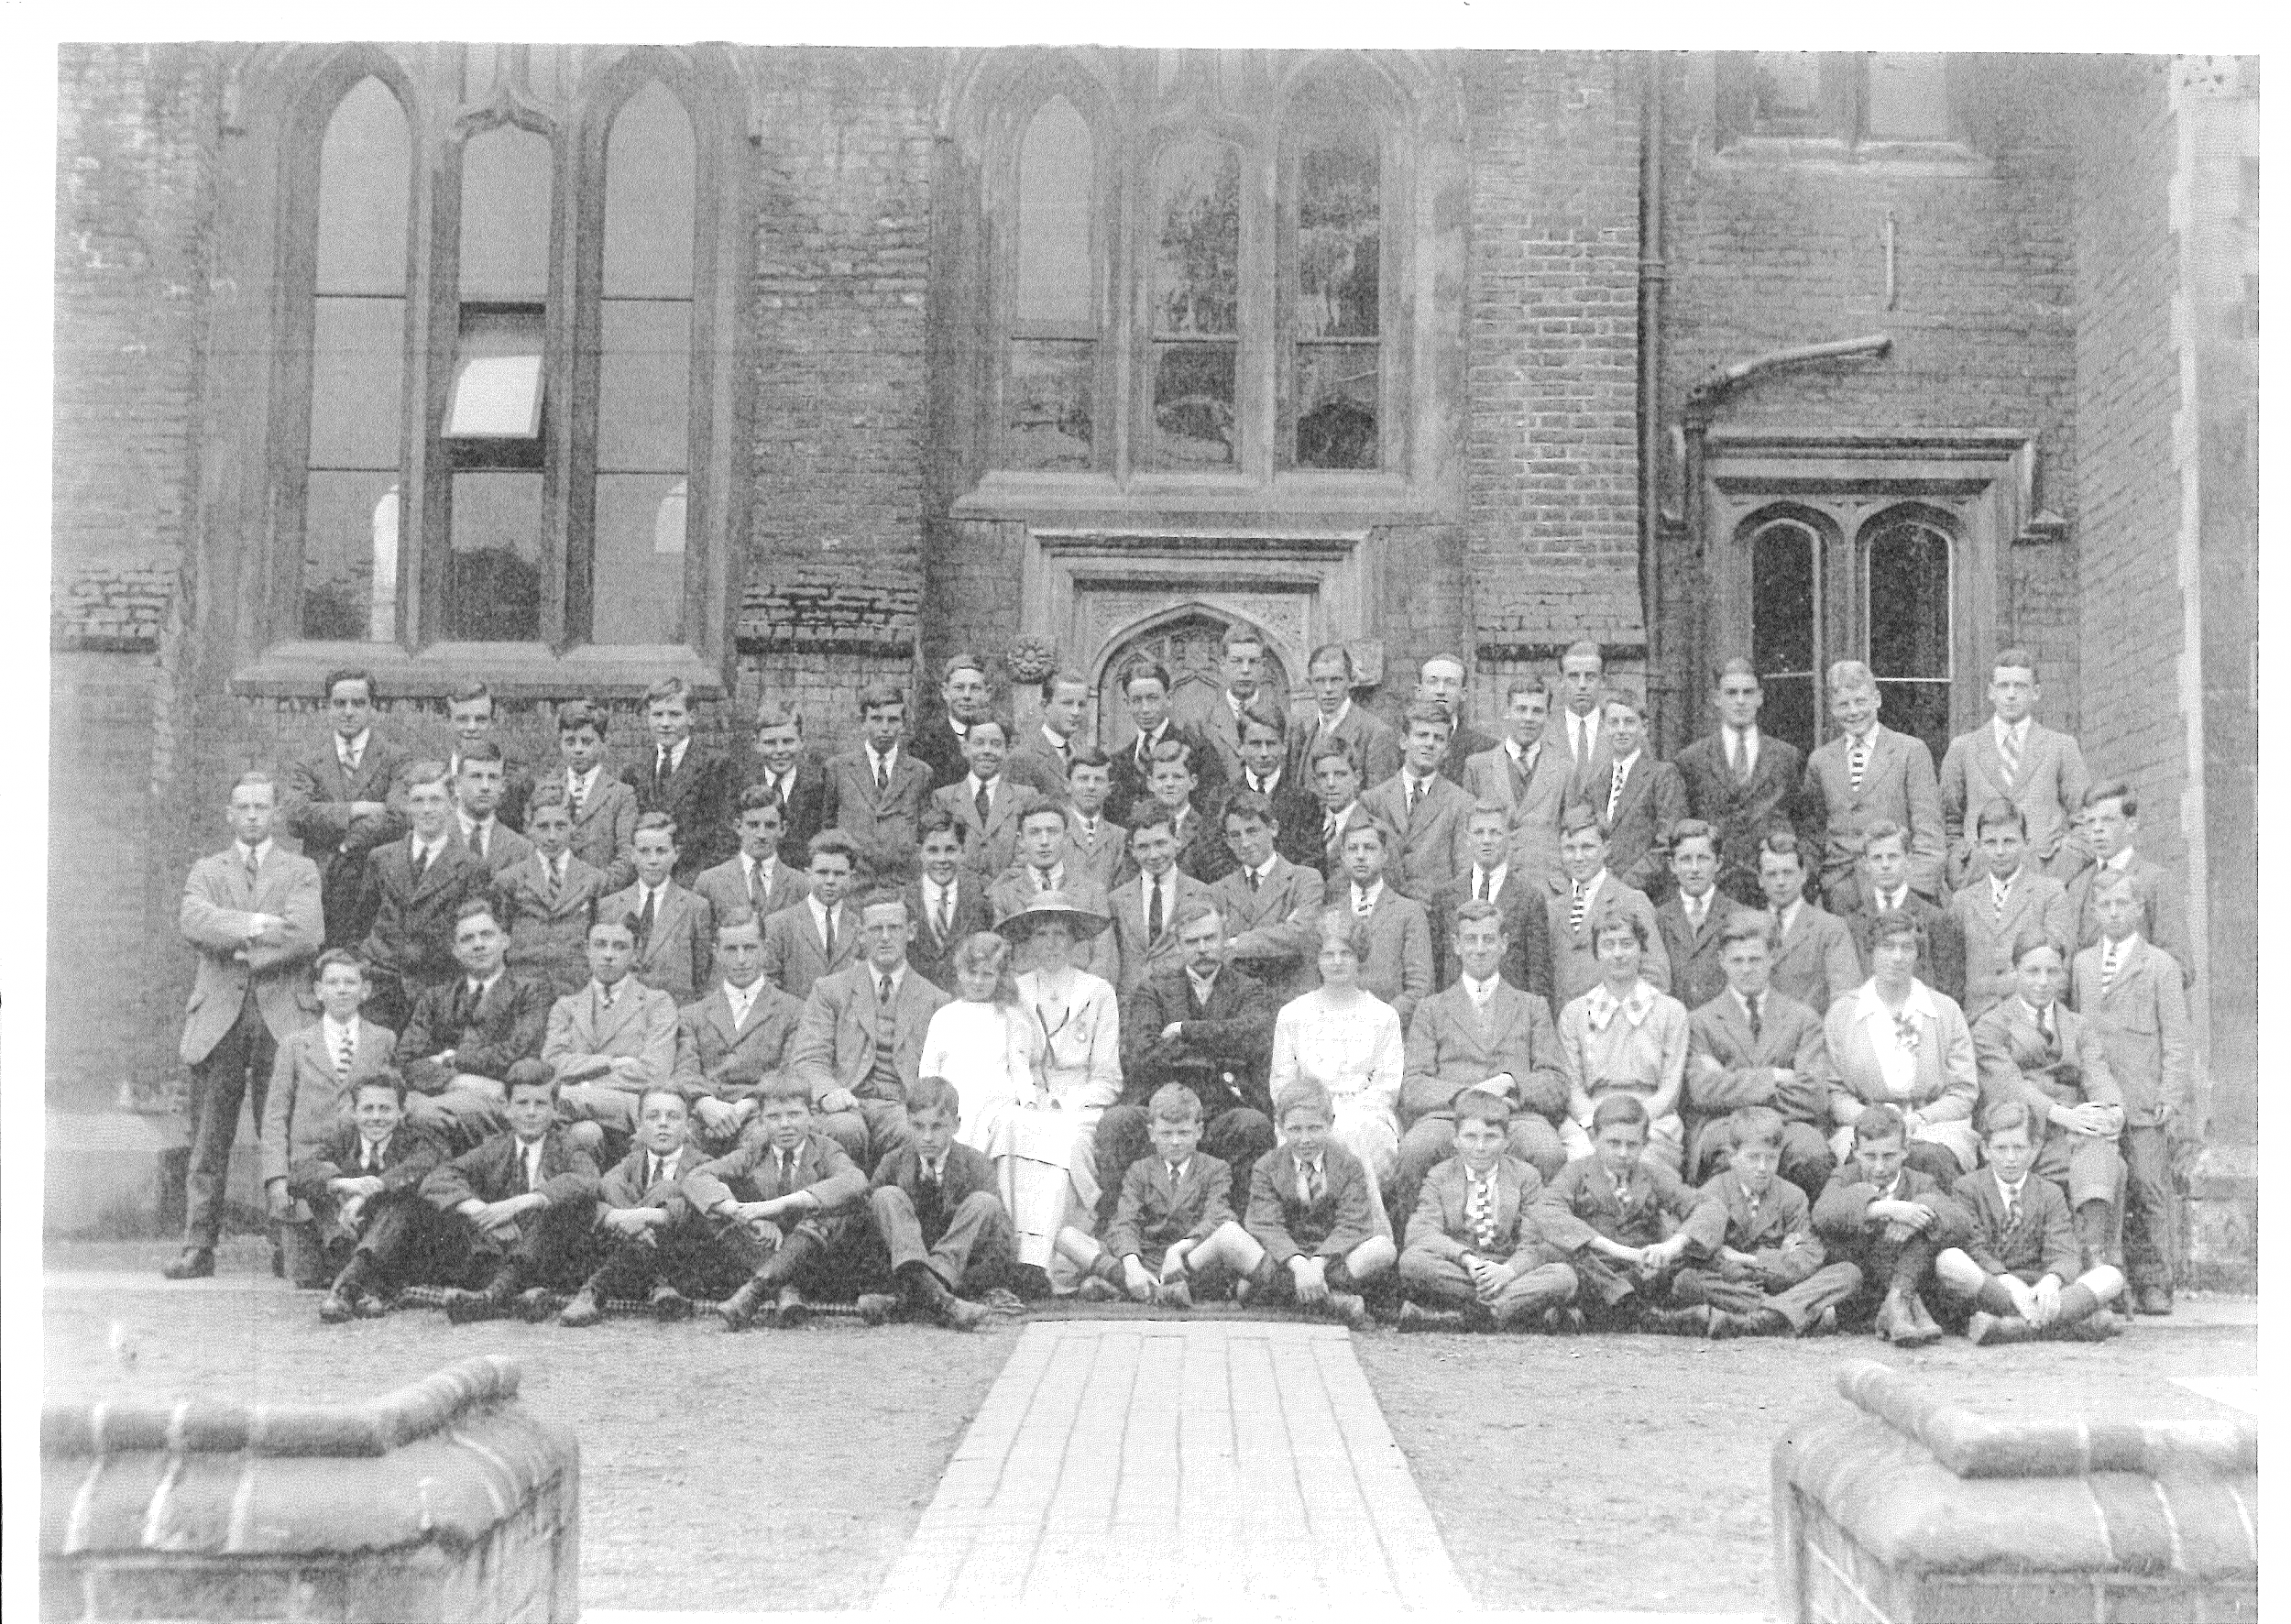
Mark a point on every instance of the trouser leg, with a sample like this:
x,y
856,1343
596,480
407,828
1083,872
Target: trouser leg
x,y
1935,1160
1236,1137
978,1242
1826,1287
1546,1286
1437,1282
888,1131
1536,1142
2151,1215
1806,1160
219,1087
1123,1138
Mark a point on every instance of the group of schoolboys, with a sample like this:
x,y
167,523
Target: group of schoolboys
x,y
588,1032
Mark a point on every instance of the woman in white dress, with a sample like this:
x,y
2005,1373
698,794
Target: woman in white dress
x,y
1348,1040
987,1047
1053,1156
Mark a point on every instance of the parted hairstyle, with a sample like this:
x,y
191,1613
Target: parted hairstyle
x,y
577,714
334,956
1880,1121
1302,1094
1758,1125
530,1074
389,1077
1173,1102
1476,1105
1621,1107
934,1093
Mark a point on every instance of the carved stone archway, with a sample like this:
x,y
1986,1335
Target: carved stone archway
x,y
1189,639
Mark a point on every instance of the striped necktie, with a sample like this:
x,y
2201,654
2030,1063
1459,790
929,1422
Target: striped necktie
x,y
1856,761
1582,900
2009,755
2110,960
346,1052
1480,1210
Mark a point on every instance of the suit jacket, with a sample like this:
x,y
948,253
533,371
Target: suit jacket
x,y
586,1037
1441,1227
835,1040
803,814
701,793
933,954
991,848
1587,782
1276,929
1137,958
1816,964
1201,849
965,1173
1464,743
2041,1240
1527,926
1778,1230
2037,902
213,919
1535,797
314,809
1898,786
1947,1084
2163,919
793,954
1129,776
2049,790
1014,888
510,1024
1221,1049
1639,834
626,1184
1104,853
1398,967
413,919
517,785
1375,743
1727,1069
2141,1024
676,955
307,1103
752,1172
1841,1216
505,848
604,830
1297,816
549,932
890,817
1152,1213
1281,1222
1940,962
1431,850
2017,1064
1221,731
1034,762
1582,1202
938,747
1697,974
1574,968
1743,813
494,1172
725,889
725,1061
1450,1050
408,1160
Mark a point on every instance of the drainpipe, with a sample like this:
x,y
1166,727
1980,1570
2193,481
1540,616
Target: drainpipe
x,y
1662,681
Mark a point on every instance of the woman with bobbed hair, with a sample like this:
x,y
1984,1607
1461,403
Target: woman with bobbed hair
x,y
1624,1036
1897,1040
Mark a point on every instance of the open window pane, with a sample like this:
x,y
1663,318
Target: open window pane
x,y
363,170
493,575
505,202
649,198
350,556
1909,96
1048,404
1197,240
639,574
1057,168
644,385
1193,405
1336,405
357,382
497,387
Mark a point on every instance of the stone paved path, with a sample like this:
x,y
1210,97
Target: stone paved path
x,y
1159,1467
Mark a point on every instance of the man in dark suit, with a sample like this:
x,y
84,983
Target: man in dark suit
x,y
695,788
1040,758
964,697
1740,781
1694,917
1205,1024
339,803
1371,742
755,879
878,790
1427,809
1493,877
1643,799
1576,734
1265,771
525,1200
948,903
477,780
1475,1258
1146,689
935,1210
416,888
1885,868
362,1186
1440,681
470,709
463,1035
783,765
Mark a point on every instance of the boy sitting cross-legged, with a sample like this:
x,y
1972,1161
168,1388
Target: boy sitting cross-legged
x,y
1174,1223
934,1208
1475,1259
1311,1208
1755,1266
656,1240
1617,1217
526,1199
363,1189
2017,1278
1891,1221
782,1205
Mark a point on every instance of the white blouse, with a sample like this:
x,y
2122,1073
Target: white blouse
x,y
1353,1050
1082,1039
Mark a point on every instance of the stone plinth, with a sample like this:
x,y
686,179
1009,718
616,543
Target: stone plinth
x,y
443,1501
1915,1510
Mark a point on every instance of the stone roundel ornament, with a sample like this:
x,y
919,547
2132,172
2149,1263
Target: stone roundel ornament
x,y
1030,657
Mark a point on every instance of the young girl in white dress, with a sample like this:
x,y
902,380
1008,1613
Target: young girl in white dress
x,y
1348,1040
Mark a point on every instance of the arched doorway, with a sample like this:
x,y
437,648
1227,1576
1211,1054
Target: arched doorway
x,y
1189,640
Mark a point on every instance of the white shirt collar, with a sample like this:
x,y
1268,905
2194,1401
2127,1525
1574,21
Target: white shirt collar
x,y
1202,988
884,758
754,865
486,985
1056,744
336,1030
1409,775
1480,992
1870,1007
2011,1192
2017,732
1743,1004
819,909
1786,918
1624,763
1268,782
898,977
741,998
582,780
2038,1018
972,783
2117,953
421,847
347,748
1264,871
1329,724
1695,906
1590,887
675,752
1745,738
933,890
1494,878
1896,898
1369,897
1516,751
1057,881
374,1152
2122,860
261,853
1636,1004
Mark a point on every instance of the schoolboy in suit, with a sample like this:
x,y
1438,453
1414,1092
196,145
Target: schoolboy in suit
x,y
1044,864
2035,1050
2012,757
1398,967
1201,1023
1173,1225
783,1206
1474,1260
469,707
784,766
1617,1217
2019,1276
1427,810
936,1214
2128,992
1366,738
754,880
312,1088
366,1227
653,1241
1271,907
1297,811
1891,1221
464,1035
610,1041
1336,781
819,935
964,697
1578,894
1480,1033
1752,1257
947,904
859,1047
1493,877
341,802
1741,780
1755,1045
1694,917
518,1208
1170,784
477,778
987,802
1147,908
417,886
1244,679
674,929
550,897
1528,780
2011,903
1145,690
734,1038
1312,1210
694,788
1867,775
1040,759
1095,844
2112,823
252,913
1579,729
1441,682
1645,799
1885,865
879,789
604,808
1814,961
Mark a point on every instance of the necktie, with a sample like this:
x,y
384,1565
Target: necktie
x,y
1582,900
254,873
1042,880
755,889
369,1159
946,911
1172,1168
1575,739
1361,902
646,919
983,803
1153,911
651,1171
1734,752
2012,1212
930,1174
2051,1035
1695,908
1328,828
1415,794
787,1175
421,864
577,788
1312,1183
1257,785
2108,970
660,769
827,923
346,1052
555,877
350,761
481,839
1856,761
883,989
1254,880
1522,765
2009,755
883,774
2000,895
1757,1024
1615,791
1480,1210
1479,885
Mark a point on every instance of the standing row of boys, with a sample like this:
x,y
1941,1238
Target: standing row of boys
x,y
1269,1020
